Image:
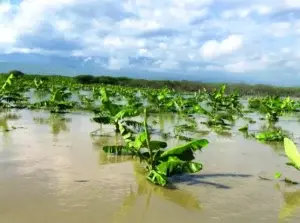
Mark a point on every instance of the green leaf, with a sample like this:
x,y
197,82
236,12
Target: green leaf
x,y
293,165
278,175
140,140
127,112
244,128
104,95
292,152
171,166
157,178
174,165
136,125
192,167
155,145
185,152
117,150
102,119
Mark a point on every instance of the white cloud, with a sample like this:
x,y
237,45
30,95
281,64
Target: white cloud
x,y
5,7
166,64
117,63
7,36
63,25
213,48
238,67
279,29
212,35
245,66
210,49
213,68
247,11
139,25
292,3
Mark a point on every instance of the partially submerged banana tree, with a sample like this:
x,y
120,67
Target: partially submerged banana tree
x,y
273,107
271,134
113,114
59,99
11,96
221,110
41,91
3,90
160,163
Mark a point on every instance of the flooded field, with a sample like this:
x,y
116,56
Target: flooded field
x,y
53,171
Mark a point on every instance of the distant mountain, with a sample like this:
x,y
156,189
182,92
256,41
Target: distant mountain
x,y
70,69
72,66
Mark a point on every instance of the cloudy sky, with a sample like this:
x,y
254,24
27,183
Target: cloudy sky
x,y
253,40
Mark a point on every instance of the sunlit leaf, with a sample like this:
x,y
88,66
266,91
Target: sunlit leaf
x,y
185,152
292,152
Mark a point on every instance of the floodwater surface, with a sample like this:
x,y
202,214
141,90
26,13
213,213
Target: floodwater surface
x,y
52,170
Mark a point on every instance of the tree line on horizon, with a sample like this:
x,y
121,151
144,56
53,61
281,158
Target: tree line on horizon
x,y
184,85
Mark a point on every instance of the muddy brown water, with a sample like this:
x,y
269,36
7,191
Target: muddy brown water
x,y
53,171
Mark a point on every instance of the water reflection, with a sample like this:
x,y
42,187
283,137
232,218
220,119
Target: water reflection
x,y
58,123
167,119
5,127
38,96
277,147
147,191
4,118
291,204
99,142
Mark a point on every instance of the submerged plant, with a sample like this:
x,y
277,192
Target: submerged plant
x,y
273,107
59,97
221,110
160,163
271,135
112,113
11,96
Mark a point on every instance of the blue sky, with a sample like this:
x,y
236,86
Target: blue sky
x,y
254,41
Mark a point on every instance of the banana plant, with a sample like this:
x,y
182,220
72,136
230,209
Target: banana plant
x,y
59,96
273,107
3,90
12,95
221,109
41,91
160,163
111,113
274,134
87,102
